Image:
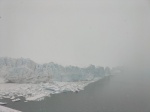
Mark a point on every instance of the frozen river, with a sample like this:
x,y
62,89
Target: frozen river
x,y
119,93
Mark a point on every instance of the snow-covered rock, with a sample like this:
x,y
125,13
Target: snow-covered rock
x,y
39,91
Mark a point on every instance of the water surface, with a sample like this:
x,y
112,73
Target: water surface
x,y
119,93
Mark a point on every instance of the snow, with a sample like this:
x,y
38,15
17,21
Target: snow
x,y
36,97
6,109
15,100
37,92
2,80
27,71
24,77
3,103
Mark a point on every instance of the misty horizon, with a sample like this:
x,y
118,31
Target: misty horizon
x,y
75,55
80,33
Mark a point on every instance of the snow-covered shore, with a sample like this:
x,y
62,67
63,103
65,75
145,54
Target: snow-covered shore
x,y
24,77
36,92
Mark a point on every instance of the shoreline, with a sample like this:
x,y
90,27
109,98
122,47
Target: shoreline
x,y
37,92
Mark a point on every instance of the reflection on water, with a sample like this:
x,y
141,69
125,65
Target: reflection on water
x,y
120,93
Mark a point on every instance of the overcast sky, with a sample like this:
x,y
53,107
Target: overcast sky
x,y
75,32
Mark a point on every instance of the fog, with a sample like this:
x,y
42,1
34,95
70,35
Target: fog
x,y
76,32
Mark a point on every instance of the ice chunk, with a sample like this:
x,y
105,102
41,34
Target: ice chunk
x,y
6,109
15,100
37,97
3,103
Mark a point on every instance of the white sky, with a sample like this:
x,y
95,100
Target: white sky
x,y
75,32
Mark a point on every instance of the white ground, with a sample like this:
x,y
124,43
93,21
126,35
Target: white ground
x,y
37,92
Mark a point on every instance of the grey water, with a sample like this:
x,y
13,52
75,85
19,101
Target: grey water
x,y
119,93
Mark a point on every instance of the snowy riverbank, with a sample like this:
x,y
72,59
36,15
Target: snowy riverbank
x,y
36,92
25,78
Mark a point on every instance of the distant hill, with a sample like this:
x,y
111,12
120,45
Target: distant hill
x,y
27,71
